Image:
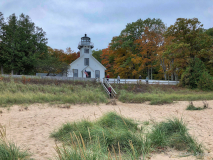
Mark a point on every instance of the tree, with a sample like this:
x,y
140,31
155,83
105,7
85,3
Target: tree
x,y
196,76
22,44
189,41
51,65
10,38
1,33
148,46
97,54
56,61
71,55
128,47
108,61
209,31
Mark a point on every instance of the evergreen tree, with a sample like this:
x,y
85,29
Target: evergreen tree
x,y
1,33
196,76
22,44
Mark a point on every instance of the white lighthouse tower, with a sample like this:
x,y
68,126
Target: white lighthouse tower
x,y
85,46
86,66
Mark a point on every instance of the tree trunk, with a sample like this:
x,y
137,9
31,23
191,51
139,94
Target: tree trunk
x,y
164,68
176,76
172,77
151,73
12,72
165,76
2,70
148,73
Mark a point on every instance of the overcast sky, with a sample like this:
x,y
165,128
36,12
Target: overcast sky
x,y
66,21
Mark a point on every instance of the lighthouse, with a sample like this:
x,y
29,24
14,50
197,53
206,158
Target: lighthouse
x,y
85,45
86,66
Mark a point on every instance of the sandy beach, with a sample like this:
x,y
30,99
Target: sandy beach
x,y
29,126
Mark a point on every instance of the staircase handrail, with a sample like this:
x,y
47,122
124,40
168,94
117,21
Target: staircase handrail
x,y
106,90
109,85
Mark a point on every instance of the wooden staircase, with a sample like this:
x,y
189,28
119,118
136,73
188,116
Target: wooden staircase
x,y
106,85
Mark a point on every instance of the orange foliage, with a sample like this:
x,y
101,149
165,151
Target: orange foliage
x,y
68,57
107,53
148,48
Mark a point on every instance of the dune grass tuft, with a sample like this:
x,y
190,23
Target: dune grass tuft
x,y
110,129
9,150
173,133
192,107
115,137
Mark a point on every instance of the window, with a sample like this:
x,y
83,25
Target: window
x,y
97,74
75,73
86,50
86,61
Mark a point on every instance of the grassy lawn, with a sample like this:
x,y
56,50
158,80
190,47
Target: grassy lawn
x,y
158,94
26,91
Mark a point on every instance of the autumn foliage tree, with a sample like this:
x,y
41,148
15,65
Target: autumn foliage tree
x,y
108,60
129,50
148,46
57,61
189,41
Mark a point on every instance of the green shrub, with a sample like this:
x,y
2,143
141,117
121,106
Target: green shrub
x,y
205,82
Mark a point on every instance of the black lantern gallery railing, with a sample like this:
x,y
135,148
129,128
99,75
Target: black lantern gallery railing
x,y
82,43
85,41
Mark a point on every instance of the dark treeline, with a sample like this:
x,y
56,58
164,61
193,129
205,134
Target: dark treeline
x,y
24,50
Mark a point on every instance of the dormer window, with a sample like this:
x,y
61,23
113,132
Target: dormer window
x,y
86,50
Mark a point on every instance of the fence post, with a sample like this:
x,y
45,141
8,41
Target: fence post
x,y
125,81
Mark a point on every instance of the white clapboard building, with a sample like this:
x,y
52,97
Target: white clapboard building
x,y
86,66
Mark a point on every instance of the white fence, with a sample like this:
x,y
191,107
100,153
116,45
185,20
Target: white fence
x,y
111,80
143,81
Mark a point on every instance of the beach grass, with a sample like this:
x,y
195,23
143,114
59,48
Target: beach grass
x,y
17,92
9,150
116,137
159,94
